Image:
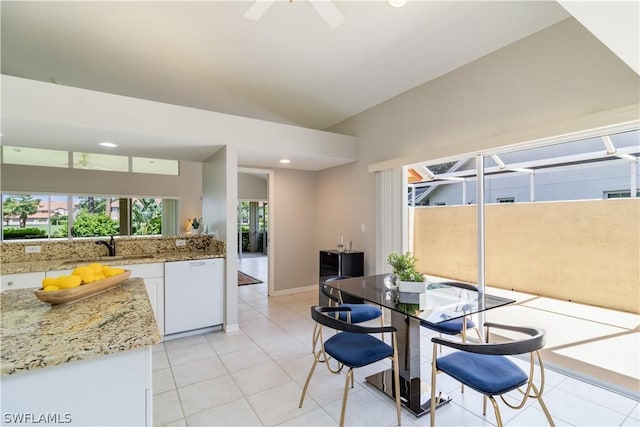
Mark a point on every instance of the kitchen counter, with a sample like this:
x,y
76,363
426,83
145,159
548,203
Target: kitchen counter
x,y
37,335
70,264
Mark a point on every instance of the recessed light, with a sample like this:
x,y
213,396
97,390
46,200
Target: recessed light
x,y
285,161
108,144
397,3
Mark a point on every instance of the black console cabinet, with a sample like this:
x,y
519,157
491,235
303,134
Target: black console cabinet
x,y
334,263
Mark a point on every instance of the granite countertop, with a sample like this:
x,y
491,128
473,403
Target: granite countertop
x,y
36,335
70,264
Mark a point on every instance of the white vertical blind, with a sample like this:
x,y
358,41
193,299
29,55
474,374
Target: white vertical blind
x,y
389,214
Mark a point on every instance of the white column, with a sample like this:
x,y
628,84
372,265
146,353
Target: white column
x,y
633,186
481,240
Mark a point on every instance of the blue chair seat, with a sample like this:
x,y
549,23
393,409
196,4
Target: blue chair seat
x,y
360,313
452,327
356,350
488,374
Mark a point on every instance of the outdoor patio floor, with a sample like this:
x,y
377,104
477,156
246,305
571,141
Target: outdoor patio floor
x,y
595,344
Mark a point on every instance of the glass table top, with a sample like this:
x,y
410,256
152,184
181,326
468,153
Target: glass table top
x,y
438,303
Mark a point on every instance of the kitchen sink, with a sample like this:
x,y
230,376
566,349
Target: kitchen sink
x,y
107,258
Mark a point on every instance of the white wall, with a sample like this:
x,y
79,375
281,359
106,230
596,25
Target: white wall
x,y
219,201
251,187
615,23
543,85
293,234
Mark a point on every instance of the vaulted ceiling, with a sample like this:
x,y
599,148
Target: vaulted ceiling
x,y
287,67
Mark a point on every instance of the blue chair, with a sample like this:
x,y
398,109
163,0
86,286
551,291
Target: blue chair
x,y
485,368
351,346
458,326
359,313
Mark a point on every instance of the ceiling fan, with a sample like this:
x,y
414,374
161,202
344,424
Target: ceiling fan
x,y
85,161
327,10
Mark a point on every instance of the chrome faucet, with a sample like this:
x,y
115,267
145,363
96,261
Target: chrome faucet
x,y
111,245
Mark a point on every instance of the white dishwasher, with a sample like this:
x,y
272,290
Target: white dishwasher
x,y
193,295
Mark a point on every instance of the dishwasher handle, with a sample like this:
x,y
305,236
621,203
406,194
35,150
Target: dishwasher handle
x,y
196,263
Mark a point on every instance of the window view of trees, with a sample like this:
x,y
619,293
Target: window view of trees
x,y
253,218
47,216
18,208
94,217
146,217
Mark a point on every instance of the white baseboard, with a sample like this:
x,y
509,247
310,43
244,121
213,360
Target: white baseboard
x,y
295,290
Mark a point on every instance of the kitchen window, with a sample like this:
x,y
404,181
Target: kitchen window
x,y
48,216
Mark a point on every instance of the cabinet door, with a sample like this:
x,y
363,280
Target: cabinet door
x,y
155,269
155,290
22,281
153,276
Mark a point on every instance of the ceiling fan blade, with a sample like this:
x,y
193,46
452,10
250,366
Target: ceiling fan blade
x,y
328,11
258,9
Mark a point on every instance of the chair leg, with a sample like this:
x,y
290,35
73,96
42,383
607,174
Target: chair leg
x,y
484,405
306,383
345,394
496,410
543,405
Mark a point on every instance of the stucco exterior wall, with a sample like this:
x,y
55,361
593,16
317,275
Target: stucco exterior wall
x,y
583,251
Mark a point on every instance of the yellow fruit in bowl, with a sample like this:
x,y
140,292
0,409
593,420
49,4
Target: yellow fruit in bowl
x,y
49,281
111,271
80,271
96,267
51,288
88,278
68,282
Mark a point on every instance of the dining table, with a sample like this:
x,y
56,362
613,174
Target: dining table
x,y
410,311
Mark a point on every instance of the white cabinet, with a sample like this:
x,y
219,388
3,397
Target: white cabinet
x,y
153,276
110,390
22,280
194,294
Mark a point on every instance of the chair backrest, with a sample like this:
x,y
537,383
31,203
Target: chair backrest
x,y
534,342
328,291
461,285
318,314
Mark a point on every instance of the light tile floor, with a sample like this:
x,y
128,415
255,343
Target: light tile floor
x,y
254,378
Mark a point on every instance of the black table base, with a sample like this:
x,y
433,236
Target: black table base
x,y
411,395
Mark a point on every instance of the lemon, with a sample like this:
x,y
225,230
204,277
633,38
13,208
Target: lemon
x,y
80,271
49,281
88,278
96,267
51,288
68,282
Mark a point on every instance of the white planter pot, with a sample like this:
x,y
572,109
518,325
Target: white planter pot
x,y
416,287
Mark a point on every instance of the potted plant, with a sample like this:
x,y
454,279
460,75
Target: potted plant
x,y
195,225
407,277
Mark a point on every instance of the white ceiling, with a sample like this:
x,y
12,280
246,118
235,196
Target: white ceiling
x,y
288,67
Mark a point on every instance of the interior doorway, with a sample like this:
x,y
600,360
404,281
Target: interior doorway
x,y
254,225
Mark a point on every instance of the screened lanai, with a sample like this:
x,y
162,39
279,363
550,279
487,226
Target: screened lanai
x,y
553,224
